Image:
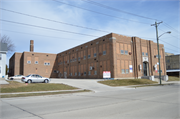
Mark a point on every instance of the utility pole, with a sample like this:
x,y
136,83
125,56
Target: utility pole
x,y
156,25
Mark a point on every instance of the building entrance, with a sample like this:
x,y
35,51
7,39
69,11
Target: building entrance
x,y
145,69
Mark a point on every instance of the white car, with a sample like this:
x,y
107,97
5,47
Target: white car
x,y
16,77
34,78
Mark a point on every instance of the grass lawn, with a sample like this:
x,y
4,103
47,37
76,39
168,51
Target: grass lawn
x,y
173,78
127,82
14,87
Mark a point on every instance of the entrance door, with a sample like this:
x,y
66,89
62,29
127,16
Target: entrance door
x,y
145,69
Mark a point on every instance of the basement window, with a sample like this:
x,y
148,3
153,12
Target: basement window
x,y
142,53
122,71
126,52
146,54
94,54
84,57
95,72
127,71
89,73
84,73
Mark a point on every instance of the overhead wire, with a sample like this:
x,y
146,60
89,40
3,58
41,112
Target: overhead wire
x,y
98,12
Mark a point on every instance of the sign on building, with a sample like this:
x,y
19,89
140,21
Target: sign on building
x,y
106,74
130,69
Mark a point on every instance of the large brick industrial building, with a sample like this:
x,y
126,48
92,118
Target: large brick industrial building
x,y
124,57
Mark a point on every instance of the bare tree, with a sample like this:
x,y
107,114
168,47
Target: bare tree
x,y
10,44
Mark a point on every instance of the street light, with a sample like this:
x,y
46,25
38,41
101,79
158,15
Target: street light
x,y
158,54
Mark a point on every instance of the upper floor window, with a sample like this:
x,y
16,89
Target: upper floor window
x,y
79,58
146,54
29,62
46,63
94,54
84,73
126,52
36,62
142,53
89,56
127,71
104,52
84,57
122,51
122,70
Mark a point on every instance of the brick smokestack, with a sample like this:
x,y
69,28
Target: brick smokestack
x,y
31,45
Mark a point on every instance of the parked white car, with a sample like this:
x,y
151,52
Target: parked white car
x,y
16,77
34,78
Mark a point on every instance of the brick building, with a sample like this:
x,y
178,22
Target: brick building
x,y
124,57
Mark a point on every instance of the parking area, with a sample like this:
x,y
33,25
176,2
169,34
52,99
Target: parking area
x,y
90,84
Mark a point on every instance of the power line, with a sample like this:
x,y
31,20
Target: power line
x,y
169,44
62,22
98,12
167,25
41,35
115,9
48,28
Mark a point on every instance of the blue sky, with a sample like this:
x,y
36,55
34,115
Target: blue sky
x,y
53,41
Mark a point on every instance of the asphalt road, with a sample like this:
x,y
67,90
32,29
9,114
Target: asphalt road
x,y
155,102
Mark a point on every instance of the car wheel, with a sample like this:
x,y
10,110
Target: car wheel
x,y
46,81
29,81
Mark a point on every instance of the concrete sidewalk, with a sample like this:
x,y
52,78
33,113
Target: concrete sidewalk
x,y
3,81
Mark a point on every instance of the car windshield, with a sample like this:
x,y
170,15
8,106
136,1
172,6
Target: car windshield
x,y
28,75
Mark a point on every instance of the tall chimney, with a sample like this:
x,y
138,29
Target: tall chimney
x,y
31,45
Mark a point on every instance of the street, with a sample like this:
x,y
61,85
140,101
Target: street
x,y
154,102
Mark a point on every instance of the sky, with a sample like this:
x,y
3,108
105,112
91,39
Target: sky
x,y
52,24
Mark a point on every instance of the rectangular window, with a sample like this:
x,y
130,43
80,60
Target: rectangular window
x,y
126,52
46,63
29,62
127,71
54,71
84,57
85,73
75,73
71,74
122,70
94,54
146,54
89,56
75,59
89,73
104,52
142,53
67,61
122,51
79,58
95,72
36,62
79,73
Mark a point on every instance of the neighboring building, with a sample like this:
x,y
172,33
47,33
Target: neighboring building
x,y
32,63
124,57
3,52
173,65
168,54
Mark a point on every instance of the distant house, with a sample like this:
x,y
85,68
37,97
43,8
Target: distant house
x,y
3,52
173,65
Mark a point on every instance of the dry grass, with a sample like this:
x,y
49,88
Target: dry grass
x,y
14,86
127,82
173,78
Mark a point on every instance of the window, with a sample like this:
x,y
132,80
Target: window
x,y
71,74
127,71
84,57
79,73
54,71
122,70
126,52
70,60
146,54
67,61
79,58
89,72
85,73
104,52
36,62
29,62
157,56
89,56
168,61
142,53
169,67
95,72
75,73
75,59
122,51
94,54
46,63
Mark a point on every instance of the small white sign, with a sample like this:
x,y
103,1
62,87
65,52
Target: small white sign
x,y
106,74
157,63
130,68
145,59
